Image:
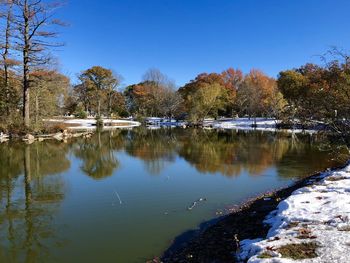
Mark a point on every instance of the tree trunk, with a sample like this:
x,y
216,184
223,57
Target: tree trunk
x,y
110,105
99,108
26,98
26,109
5,58
36,108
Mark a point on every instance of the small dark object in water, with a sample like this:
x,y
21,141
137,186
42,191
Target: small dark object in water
x,y
196,202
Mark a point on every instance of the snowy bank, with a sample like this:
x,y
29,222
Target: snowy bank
x,y
247,123
90,124
3,137
260,124
312,225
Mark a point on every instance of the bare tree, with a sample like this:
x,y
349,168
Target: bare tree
x,y
33,20
6,46
156,76
171,102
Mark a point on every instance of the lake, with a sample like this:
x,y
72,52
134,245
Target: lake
x,y
124,195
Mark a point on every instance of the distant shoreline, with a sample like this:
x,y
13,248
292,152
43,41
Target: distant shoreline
x,y
69,128
219,240
66,128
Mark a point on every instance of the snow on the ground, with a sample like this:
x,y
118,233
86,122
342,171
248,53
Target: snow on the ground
x,y
246,122
79,124
317,213
3,137
262,124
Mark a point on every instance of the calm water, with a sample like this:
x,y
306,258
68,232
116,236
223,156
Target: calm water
x,y
122,196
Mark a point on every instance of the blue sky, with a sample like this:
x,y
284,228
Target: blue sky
x,y
186,37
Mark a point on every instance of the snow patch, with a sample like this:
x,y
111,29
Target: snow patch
x,y
262,124
317,213
90,124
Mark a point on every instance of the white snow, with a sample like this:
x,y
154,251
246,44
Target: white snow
x,y
319,213
246,122
262,124
3,137
90,124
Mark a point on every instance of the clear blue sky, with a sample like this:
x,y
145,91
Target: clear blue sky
x,y
186,37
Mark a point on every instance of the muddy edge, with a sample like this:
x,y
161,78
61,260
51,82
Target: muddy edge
x,y
219,242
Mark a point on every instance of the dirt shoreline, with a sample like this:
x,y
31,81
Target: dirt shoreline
x,y
218,240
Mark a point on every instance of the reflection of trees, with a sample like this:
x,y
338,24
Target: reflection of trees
x,y
31,187
225,152
26,220
155,147
97,153
232,152
228,152
299,162
11,168
209,151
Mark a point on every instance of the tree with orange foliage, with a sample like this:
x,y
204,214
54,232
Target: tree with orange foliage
x,y
99,82
256,96
222,103
319,94
155,96
232,80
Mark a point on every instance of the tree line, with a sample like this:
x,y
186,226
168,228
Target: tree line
x,y
319,94
32,88
310,95
230,93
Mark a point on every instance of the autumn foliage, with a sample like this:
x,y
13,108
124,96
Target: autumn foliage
x,y
319,94
231,93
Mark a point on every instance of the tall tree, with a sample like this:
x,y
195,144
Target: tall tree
x,y
320,93
48,90
206,88
256,94
99,81
155,96
207,100
34,21
7,62
155,76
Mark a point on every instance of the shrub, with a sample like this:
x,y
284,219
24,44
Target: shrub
x,y
81,114
124,114
17,128
3,128
53,128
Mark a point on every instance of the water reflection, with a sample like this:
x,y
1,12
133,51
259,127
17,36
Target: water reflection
x,y
30,192
156,148
34,179
226,152
97,154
